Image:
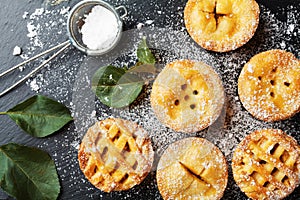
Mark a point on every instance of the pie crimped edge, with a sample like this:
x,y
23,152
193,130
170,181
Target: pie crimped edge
x,y
128,156
266,164
221,25
192,168
269,85
195,87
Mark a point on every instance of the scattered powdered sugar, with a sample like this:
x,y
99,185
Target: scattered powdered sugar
x,y
140,25
149,22
34,86
67,79
47,28
250,68
55,2
33,29
25,15
17,51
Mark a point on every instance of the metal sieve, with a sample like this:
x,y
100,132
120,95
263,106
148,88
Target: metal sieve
x,y
76,21
74,24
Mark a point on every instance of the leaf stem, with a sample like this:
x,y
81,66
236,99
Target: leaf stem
x,y
2,113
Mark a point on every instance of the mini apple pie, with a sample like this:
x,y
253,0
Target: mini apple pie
x,y
266,164
187,96
115,155
221,25
192,168
269,85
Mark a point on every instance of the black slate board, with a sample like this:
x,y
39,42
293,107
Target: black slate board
x,y
74,185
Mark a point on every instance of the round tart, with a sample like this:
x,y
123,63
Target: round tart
x,y
187,96
221,25
192,168
115,155
269,85
266,164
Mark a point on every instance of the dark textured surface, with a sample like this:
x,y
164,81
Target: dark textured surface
x,y
13,32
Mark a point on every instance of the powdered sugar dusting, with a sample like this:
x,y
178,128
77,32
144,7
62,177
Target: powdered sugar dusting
x,y
264,87
63,75
100,28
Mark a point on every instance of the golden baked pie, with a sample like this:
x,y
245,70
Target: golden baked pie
x,y
221,25
266,164
187,96
192,168
115,155
269,85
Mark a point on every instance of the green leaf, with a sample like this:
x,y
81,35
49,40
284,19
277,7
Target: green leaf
x,y
144,54
115,87
40,116
28,173
143,68
118,87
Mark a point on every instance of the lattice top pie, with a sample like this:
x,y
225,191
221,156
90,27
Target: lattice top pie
x,y
192,168
187,96
221,25
269,85
266,164
115,155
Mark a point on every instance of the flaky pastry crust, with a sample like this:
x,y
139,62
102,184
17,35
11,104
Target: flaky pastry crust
x,y
266,165
221,25
187,96
192,168
115,155
269,85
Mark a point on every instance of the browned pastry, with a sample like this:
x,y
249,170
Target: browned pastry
x,y
187,96
269,85
115,155
266,165
192,168
221,25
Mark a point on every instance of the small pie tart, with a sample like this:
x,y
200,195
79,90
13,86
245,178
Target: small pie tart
x,y
187,96
192,168
266,164
269,85
221,25
115,155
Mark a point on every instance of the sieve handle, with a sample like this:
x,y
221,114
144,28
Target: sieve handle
x,y
124,11
63,46
33,58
